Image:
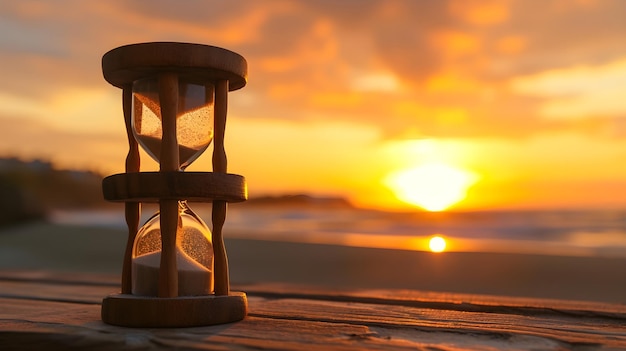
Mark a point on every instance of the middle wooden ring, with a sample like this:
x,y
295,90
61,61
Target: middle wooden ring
x,y
174,185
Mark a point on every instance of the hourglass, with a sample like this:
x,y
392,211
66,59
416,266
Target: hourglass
x,y
175,270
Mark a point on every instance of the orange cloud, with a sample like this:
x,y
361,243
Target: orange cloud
x,y
456,43
513,44
287,90
451,83
375,82
337,100
278,64
406,68
579,91
480,12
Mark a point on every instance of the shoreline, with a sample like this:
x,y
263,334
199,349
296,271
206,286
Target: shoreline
x,y
519,275
552,233
44,246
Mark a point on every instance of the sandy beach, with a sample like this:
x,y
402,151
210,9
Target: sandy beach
x,y
43,246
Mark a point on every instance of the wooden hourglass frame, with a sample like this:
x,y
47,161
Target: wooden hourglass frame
x,y
170,63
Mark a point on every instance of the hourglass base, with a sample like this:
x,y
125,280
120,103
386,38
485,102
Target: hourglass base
x,y
186,311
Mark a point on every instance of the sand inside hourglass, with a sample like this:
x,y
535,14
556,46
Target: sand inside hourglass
x,y
153,146
193,278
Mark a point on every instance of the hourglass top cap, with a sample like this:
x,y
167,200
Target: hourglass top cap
x,y
202,63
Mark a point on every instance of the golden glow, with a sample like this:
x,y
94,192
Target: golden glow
x,y
437,244
432,186
456,43
481,13
344,107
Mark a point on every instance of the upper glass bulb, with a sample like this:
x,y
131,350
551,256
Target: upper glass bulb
x,y
194,118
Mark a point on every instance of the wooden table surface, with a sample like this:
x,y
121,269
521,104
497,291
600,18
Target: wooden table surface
x,y
50,311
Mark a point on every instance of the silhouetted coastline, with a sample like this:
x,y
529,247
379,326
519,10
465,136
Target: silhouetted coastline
x,y
299,201
30,189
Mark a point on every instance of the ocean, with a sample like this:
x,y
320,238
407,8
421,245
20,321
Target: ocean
x,y
595,233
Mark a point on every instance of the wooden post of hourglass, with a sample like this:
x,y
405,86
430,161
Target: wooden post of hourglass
x,y
169,161
222,284
132,209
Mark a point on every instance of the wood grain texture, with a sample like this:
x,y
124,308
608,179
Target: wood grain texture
x,y
220,161
221,275
189,311
193,62
168,99
60,312
132,210
190,186
168,161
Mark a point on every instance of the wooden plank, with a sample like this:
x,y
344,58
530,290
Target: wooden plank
x,y
342,327
58,277
570,330
437,300
35,312
37,322
45,313
80,294
452,301
363,313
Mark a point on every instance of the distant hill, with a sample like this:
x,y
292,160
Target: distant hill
x,y
30,189
299,200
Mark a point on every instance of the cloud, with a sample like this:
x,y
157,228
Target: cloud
x,y
31,138
81,110
375,81
312,60
561,34
579,91
480,12
22,37
329,81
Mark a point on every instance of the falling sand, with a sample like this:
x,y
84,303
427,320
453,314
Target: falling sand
x,y
153,147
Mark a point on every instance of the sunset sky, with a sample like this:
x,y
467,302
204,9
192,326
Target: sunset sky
x,y
392,104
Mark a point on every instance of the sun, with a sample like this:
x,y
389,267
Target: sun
x,y
432,186
437,244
